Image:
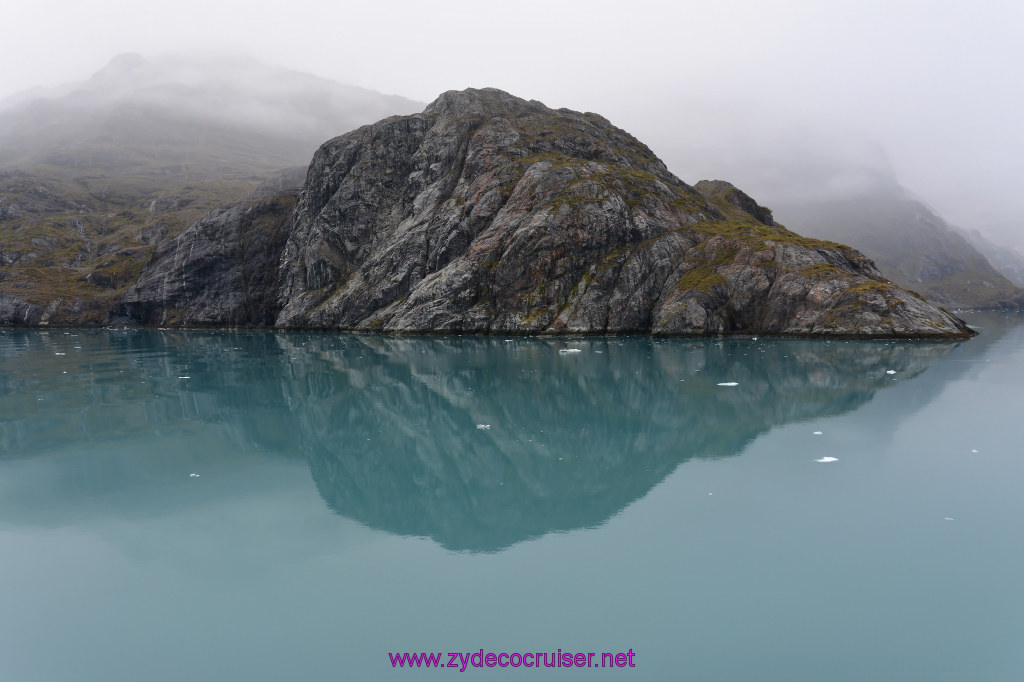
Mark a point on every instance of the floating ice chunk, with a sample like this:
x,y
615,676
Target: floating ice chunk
x,y
483,426
569,350
817,433
193,475
890,371
729,383
827,459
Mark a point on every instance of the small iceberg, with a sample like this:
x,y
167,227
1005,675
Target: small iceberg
x,y
827,459
729,383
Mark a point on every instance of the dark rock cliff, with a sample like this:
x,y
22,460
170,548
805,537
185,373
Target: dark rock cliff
x,y
489,213
220,271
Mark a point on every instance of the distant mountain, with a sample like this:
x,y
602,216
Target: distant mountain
x,y
94,174
176,114
909,243
841,185
1008,260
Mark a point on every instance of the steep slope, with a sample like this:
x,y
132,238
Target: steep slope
x,y
910,244
94,175
490,213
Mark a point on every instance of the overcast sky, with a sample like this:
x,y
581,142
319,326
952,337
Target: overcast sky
x,y
929,89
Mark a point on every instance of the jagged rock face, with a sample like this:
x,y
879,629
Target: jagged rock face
x,y
489,213
220,271
15,311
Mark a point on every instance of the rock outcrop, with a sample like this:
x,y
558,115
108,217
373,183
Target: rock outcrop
x,y
14,311
489,213
220,271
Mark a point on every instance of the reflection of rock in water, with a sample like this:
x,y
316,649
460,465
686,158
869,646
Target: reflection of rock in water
x,y
392,440
388,425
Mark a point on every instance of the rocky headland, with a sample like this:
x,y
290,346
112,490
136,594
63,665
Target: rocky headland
x,y
490,213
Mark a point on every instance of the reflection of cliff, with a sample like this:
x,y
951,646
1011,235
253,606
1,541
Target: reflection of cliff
x,y
388,425
391,433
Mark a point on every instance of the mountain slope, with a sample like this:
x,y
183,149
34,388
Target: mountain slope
x,y
1008,260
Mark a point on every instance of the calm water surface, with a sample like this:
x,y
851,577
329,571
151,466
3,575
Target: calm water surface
x,y
295,506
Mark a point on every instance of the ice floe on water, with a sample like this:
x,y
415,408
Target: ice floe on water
x,y
827,459
729,383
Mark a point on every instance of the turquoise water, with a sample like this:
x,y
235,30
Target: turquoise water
x,y
296,506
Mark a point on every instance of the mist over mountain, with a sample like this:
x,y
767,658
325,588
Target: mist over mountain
x,y
209,113
1007,257
909,242
94,174
844,188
